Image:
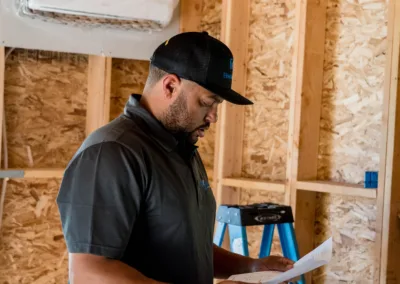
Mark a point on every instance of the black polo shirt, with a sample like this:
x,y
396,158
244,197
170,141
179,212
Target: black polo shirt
x,y
135,193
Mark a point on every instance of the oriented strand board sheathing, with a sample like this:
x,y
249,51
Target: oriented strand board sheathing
x,y
353,89
45,103
32,247
128,77
268,85
45,106
351,223
354,70
212,15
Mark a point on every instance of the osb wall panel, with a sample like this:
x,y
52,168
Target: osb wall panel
x,y
45,104
350,133
32,247
353,89
268,85
45,101
211,19
128,77
351,223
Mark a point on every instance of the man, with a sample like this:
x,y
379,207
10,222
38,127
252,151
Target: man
x,y
135,203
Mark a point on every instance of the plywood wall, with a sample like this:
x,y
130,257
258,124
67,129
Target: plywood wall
x,y
45,99
350,133
127,77
268,85
45,103
353,89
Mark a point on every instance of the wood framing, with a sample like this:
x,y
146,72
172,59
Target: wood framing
x,y
99,92
43,173
388,224
304,120
32,173
230,127
2,71
254,184
191,14
229,143
336,188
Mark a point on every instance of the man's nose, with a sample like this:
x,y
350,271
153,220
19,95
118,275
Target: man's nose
x,y
212,115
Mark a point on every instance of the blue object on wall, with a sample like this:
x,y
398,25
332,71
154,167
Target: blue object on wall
x,y
371,179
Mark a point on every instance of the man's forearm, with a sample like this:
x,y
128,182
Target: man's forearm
x,y
227,263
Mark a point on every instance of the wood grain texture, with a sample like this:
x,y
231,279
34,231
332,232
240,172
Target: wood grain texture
x,y
305,112
235,23
191,14
2,71
350,221
128,77
229,143
45,107
32,247
269,70
353,83
337,188
99,92
254,184
388,226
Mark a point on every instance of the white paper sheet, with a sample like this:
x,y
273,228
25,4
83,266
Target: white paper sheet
x,y
316,258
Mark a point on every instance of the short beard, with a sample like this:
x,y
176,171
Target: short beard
x,y
176,118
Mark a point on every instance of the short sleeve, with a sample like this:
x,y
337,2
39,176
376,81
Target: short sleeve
x,y
99,199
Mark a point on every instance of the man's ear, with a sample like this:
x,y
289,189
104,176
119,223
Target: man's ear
x,y
171,85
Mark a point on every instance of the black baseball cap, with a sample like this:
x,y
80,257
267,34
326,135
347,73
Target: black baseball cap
x,y
198,57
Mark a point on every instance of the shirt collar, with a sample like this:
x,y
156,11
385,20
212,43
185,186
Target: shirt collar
x,y
157,131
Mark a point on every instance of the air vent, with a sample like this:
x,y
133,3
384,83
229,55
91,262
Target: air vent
x,y
147,15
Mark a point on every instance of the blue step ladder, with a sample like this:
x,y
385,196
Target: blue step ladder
x,y
237,218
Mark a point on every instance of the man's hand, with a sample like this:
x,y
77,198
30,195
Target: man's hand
x,y
274,263
227,263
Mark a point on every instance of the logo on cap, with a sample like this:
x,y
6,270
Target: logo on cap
x,y
227,75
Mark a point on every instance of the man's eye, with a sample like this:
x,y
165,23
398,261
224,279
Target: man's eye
x,y
207,104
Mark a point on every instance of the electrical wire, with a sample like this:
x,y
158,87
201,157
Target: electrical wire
x,y
5,158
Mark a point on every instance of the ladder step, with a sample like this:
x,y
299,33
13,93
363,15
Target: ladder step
x,y
255,214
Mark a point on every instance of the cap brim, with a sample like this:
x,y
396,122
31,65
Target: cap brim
x,y
229,95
